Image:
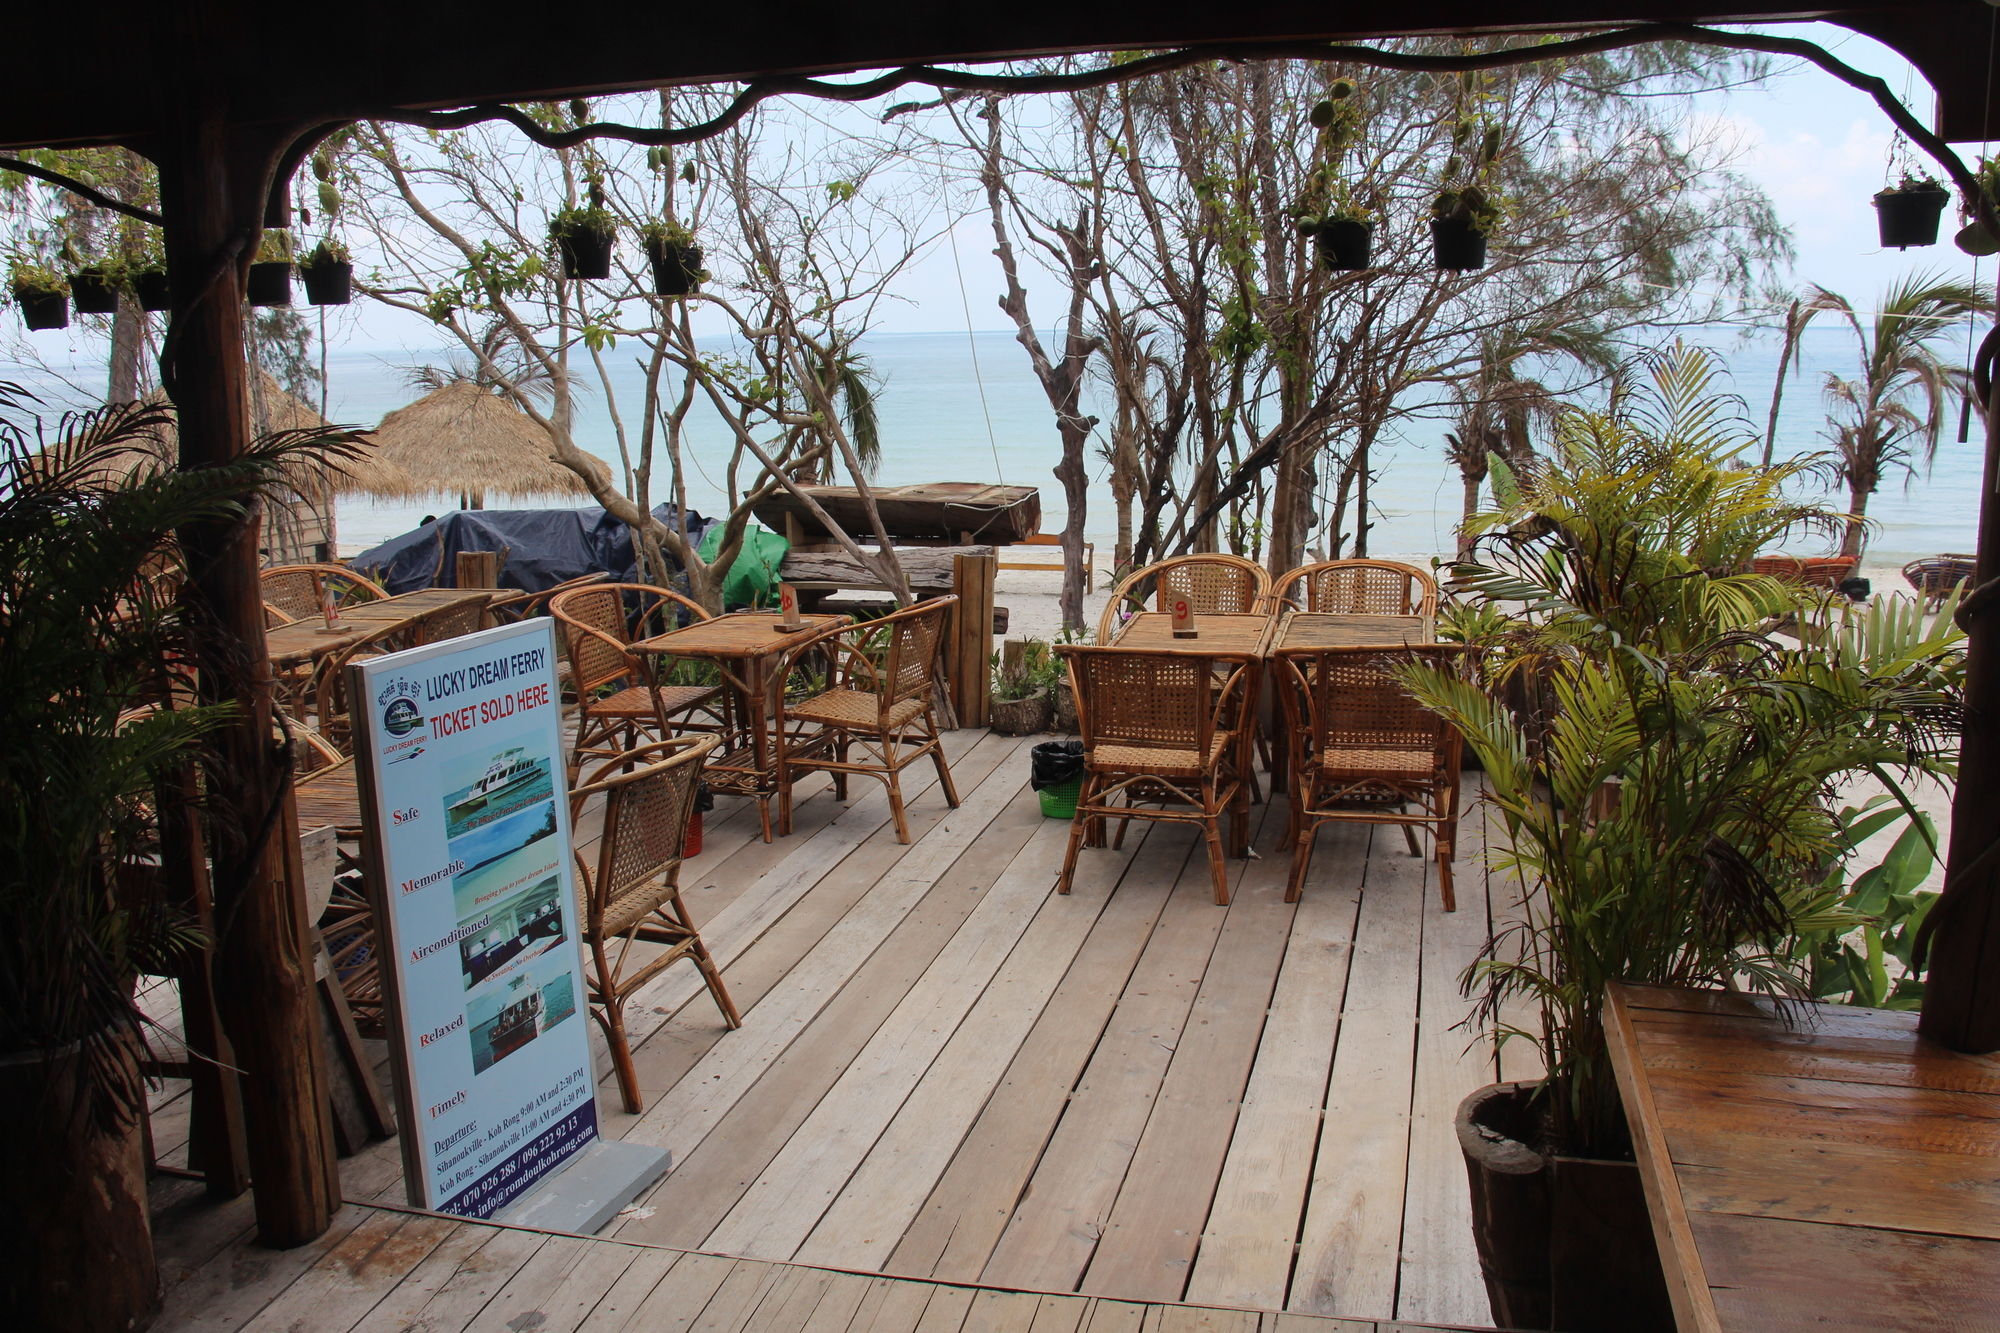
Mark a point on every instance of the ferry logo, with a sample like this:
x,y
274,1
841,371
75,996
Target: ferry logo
x,y
398,700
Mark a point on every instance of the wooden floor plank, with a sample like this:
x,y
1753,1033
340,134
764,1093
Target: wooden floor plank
x,y
901,1307
1054,1231
839,1303
521,1298
1354,1211
1113,1317
965,1213
1002,1312
681,1294
945,1311
649,1267
583,1281
398,1307
1148,1248
737,1299
347,1282
792,1301
1252,1229
482,1273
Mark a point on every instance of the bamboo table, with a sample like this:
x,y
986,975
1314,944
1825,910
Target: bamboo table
x,y
1218,633
1312,629
308,640
743,647
1831,1171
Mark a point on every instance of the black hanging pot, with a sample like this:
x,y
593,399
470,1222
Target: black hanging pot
x,y
43,310
585,253
676,267
270,283
1344,244
328,284
1457,244
93,292
150,286
1904,218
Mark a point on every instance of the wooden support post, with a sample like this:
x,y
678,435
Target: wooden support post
x,y
1962,992
478,569
969,649
215,179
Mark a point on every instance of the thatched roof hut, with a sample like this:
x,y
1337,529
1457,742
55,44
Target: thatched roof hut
x,y
468,441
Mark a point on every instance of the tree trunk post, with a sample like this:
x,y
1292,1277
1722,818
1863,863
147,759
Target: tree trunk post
x,y
213,185
970,645
1961,1007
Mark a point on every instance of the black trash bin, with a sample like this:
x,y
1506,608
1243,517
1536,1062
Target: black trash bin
x,y
1056,773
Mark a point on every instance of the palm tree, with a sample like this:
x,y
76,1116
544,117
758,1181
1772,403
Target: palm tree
x,y
1893,411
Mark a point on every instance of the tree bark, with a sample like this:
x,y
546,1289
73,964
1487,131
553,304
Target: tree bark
x,y
128,337
1857,526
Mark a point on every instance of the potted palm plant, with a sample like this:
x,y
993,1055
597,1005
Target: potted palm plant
x,y
583,238
675,257
329,274
1907,212
96,648
270,282
42,295
1676,827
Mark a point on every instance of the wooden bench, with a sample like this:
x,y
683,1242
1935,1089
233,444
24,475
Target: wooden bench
x,y
1045,540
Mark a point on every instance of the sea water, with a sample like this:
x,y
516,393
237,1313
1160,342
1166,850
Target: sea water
x,y
967,407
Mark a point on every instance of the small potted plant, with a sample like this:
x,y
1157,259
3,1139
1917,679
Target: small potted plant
x,y
1973,238
42,295
1341,228
1907,212
271,273
329,274
150,287
1464,212
675,257
1344,236
1021,677
583,239
93,289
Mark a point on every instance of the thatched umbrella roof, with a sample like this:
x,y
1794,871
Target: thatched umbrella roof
x,y
466,440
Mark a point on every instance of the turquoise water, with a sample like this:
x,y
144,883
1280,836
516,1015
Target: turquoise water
x,y
959,408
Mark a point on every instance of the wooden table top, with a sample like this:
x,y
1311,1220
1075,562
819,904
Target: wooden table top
x,y
1837,1171
329,795
304,640
740,635
1217,633
1311,629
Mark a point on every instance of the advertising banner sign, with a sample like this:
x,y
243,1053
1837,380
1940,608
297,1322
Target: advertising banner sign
x,y
461,760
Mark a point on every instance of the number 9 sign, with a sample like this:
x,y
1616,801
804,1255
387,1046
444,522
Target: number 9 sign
x,y
1183,618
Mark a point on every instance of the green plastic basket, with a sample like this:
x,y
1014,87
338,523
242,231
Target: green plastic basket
x,y
1059,801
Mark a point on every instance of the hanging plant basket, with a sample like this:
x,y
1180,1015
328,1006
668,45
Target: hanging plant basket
x,y
270,283
676,267
43,309
329,283
93,292
1344,245
1907,217
150,286
1457,244
585,251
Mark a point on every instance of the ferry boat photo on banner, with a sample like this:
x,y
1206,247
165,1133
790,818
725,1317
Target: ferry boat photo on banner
x,y
462,784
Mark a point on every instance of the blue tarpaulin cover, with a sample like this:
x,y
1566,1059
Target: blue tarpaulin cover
x,y
544,547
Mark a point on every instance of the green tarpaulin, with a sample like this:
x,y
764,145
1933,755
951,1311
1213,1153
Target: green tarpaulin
x,y
753,578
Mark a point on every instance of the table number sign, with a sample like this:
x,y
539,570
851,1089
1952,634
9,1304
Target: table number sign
x,y
1183,612
788,603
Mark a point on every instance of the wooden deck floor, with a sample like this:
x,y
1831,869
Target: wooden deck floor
x,y
948,1073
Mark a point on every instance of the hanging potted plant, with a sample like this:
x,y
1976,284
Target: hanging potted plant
x,y
151,289
1344,237
1907,212
1341,228
94,289
1676,829
675,257
1973,238
42,295
1464,212
328,272
583,238
95,639
271,274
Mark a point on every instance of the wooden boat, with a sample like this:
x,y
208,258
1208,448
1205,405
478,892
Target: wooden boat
x,y
965,512
519,1024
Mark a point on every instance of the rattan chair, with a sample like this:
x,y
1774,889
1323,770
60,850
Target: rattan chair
x,y
1364,750
879,702
618,704
296,591
633,894
1160,729
1213,584
1361,587
333,712
447,622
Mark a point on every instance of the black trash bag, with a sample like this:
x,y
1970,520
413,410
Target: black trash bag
x,y
1052,763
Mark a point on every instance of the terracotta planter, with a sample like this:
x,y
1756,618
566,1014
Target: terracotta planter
x,y
270,283
73,1214
676,268
585,254
1457,245
328,284
43,310
153,291
1344,246
1020,717
1904,218
1563,1242
92,293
